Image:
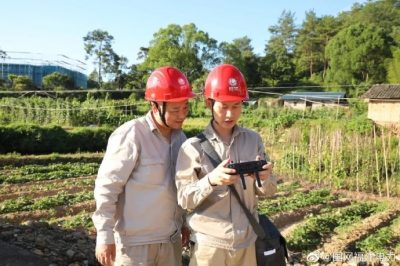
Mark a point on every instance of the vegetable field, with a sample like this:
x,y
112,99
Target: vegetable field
x,y
46,202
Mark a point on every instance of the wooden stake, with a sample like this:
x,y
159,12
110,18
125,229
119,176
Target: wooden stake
x,y
377,164
385,164
357,162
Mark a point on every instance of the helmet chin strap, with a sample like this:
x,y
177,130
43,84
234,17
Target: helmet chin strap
x,y
212,111
162,112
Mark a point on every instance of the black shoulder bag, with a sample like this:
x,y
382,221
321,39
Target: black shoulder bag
x,y
270,244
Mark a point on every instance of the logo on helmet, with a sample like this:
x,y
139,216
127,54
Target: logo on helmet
x,y
233,84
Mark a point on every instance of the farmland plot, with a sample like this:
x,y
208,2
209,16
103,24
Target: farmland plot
x,y
46,208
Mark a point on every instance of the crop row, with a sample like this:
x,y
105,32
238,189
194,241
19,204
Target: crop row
x,y
386,239
81,220
309,235
48,185
27,173
295,201
44,203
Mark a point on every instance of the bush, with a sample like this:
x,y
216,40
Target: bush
x,y
57,81
33,139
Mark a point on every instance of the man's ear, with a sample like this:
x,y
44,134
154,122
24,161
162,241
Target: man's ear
x,y
208,103
154,108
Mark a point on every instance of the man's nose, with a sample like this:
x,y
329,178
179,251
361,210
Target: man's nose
x,y
228,113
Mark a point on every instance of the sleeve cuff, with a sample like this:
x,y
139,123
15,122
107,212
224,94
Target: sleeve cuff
x,y
268,187
105,237
205,186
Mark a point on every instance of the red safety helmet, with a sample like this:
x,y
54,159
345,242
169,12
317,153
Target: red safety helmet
x,y
225,83
168,84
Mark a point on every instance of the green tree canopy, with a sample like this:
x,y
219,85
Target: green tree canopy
x,y
357,54
240,53
98,45
117,68
21,83
279,66
57,81
185,47
311,41
393,67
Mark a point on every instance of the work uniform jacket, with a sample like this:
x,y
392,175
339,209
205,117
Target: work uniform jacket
x,y
214,215
135,191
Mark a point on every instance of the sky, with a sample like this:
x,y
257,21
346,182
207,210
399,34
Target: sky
x,y
53,27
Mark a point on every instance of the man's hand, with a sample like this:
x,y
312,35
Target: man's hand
x,y
223,175
266,172
105,254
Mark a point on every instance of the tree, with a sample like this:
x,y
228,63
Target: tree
x,y
384,14
135,78
57,81
93,78
185,47
278,61
240,53
393,67
328,27
312,38
98,45
20,83
357,54
117,69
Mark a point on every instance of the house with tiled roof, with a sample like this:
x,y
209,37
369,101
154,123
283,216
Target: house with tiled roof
x,y
314,100
383,103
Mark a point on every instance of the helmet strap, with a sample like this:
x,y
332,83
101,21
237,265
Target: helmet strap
x,y
212,110
162,111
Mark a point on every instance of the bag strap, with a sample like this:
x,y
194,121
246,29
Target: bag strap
x,y
209,150
256,226
216,160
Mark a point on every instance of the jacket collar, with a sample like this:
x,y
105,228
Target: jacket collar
x,y
211,134
153,126
150,121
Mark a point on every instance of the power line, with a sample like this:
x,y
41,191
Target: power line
x,y
65,109
304,97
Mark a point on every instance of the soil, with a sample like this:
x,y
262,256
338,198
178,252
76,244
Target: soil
x,y
46,245
13,188
15,256
26,242
39,194
58,211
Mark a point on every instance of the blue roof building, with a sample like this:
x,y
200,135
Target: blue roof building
x,y
302,100
36,68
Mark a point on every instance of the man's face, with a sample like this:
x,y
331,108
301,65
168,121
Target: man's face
x,y
175,114
226,114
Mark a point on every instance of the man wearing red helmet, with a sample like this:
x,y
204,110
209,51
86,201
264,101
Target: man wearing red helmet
x,y
221,230
137,218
